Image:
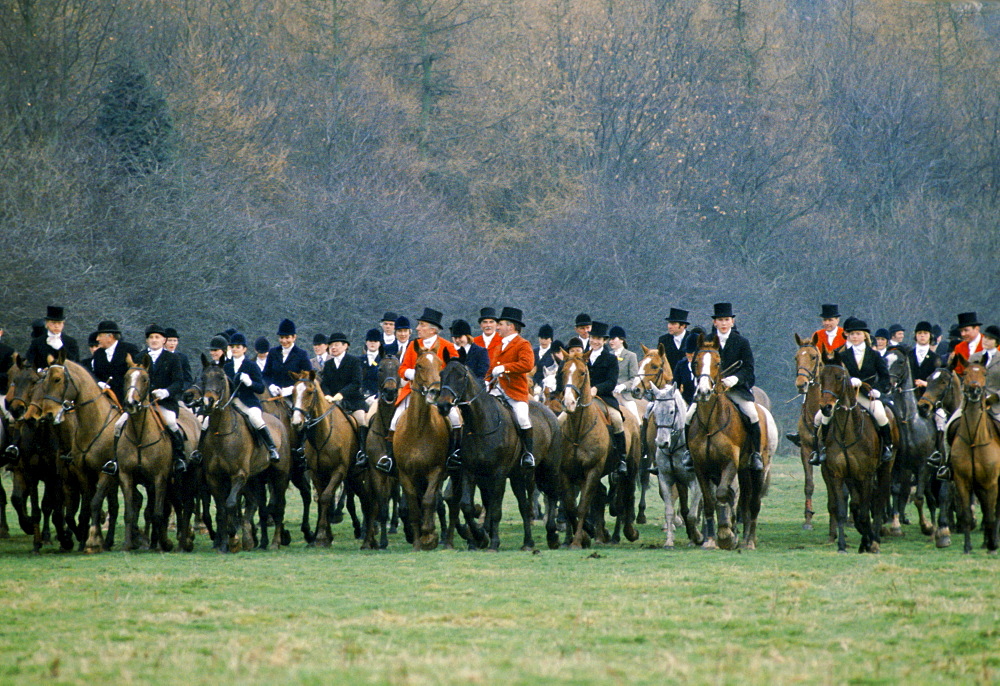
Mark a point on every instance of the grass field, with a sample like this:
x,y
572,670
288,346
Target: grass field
x,y
793,611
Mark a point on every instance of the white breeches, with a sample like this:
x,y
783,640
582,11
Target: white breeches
x,y
520,408
361,417
454,416
747,407
874,407
631,406
169,418
254,414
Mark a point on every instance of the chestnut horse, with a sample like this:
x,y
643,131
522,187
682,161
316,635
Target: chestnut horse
x,y
145,456
975,457
942,394
420,444
808,362
69,393
719,448
332,443
654,372
237,465
853,459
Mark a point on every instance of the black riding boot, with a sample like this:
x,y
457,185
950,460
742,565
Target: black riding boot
x,y
618,440
387,463
177,441
885,433
686,462
361,458
793,436
528,442
272,451
818,456
454,461
299,452
756,462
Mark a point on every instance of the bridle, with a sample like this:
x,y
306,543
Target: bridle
x,y
809,374
844,386
576,389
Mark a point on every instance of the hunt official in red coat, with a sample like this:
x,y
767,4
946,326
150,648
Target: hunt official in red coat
x,y
511,365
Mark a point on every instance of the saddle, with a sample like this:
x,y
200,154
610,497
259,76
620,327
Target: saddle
x,y
603,410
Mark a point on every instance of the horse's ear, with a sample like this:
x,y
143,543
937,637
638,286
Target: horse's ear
x,y
798,340
205,362
446,355
60,356
645,350
815,339
129,361
955,360
19,361
660,348
311,373
701,340
145,361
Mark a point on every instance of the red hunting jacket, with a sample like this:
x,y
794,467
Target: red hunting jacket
x,y
518,359
442,348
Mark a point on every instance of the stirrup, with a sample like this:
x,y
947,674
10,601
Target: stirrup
x,y
360,459
384,464
454,460
687,462
195,457
180,466
622,466
944,472
935,459
756,462
12,451
817,458
68,457
299,452
273,456
527,460
110,467
886,454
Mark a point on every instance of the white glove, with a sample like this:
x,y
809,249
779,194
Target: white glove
x,y
329,398
874,395
856,382
409,374
593,391
287,391
274,390
549,383
620,387
103,386
497,371
245,379
161,393
730,381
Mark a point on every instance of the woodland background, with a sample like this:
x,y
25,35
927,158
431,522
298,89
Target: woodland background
x,y
232,162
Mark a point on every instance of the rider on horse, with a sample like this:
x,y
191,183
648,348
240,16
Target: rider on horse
x,y
736,361
830,338
428,327
922,358
248,381
369,366
488,339
677,335
166,383
473,356
628,369
50,340
283,361
603,378
341,384
864,365
512,362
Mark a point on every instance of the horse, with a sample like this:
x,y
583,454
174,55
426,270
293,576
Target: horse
x,y
853,460
331,446
69,393
298,475
808,362
975,457
943,393
916,437
145,456
586,448
664,430
491,454
717,440
236,464
420,444
382,487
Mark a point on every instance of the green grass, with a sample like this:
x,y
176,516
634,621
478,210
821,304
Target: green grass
x,y
793,611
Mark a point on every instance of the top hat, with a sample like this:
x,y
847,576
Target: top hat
x,y
487,313
598,329
155,328
545,331
403,323
171,332
54,313
512,314
389,317
338,337
286,328
431,317
923,326
678,316
968,319
993,331
261,345
583,319
238,339
721,310
320,339
828,311
373,335
107,326
617,332
218,343
460,327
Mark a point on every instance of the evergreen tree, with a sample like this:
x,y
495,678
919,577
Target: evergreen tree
x,y
133,121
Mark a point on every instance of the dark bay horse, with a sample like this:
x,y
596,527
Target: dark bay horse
x,y
298,476
853,459
718,443
237,465
808,363
332,443
145,456
491,454
69,389
916,438
942,394
975,458
420,444
382,487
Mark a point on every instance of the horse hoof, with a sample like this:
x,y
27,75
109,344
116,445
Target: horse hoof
x,y
668,546
807,526
875,548
896,531
527,548
641,519
943,542
725,538
926,529
842,550
749,545
631,533
709,545
336,517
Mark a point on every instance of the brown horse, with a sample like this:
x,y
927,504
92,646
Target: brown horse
x,y
298,476
942,394
145,456
331,446
853,460
808,362
381,486
975,457
237,465
420,444
68,389
717,439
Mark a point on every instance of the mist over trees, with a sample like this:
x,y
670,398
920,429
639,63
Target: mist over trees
x,y
230,163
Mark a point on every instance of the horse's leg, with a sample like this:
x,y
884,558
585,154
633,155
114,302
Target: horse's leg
x,y
587,493
386,493
127,484
234,519
551,523
988,504
278,485
428,532
670,508
643,477
4,528
725,507
524,490
222,528
919,498
161,512
324,534
337,516
352,510
695,510
751,507
305,492
96,493
709,504
805,452
665,485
